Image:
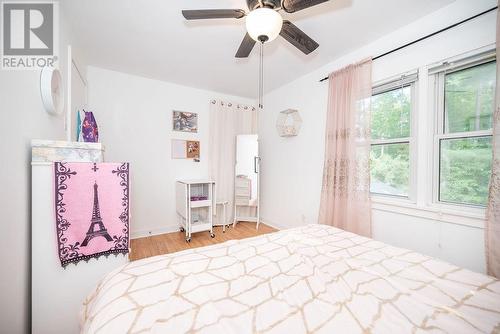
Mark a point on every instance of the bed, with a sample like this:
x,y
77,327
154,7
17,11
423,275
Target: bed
x,y
312,279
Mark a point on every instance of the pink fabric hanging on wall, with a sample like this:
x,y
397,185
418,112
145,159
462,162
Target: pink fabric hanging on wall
x,y
493,212
345,194
91,210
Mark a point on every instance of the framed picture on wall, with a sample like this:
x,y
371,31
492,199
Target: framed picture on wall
x,y
193,149
185,121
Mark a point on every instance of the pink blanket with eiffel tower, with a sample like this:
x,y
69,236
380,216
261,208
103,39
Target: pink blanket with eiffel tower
x,y
92,210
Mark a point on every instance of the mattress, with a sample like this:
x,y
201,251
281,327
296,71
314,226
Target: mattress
x,y
312,279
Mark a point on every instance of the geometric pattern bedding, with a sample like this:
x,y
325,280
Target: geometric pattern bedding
x,y
312,279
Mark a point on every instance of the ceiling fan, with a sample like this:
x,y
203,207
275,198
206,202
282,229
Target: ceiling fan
x,y
264,23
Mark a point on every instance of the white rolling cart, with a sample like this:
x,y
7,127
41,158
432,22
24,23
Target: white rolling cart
x,y
195,204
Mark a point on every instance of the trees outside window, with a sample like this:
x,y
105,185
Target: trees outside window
x,y
391,135
464,135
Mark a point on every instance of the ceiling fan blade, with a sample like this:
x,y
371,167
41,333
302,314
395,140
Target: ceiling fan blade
x,y
292,6
246,47
202,14
298,38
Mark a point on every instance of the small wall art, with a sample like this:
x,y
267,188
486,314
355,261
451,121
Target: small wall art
x,y
193,149
185,149
185,121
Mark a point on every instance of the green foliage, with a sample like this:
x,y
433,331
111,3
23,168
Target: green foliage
x,y
391,114
465,170
470,99
390,164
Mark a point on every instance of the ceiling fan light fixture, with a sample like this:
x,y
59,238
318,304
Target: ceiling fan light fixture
x,y
262,23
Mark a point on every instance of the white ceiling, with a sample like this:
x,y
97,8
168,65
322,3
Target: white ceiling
x,y
151,38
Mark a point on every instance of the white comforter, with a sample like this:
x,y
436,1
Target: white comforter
x,y
311,279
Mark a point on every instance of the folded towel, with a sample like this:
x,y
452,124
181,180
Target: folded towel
x,y
92,210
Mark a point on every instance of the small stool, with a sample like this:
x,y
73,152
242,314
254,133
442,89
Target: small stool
x,y
224,217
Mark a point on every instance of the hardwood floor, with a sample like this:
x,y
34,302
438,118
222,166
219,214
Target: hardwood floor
x,y
173,242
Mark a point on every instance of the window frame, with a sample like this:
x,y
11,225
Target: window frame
x,y
402,81
439,77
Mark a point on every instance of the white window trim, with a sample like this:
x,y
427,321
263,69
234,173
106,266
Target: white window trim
x,y
408,79
436,97
470,59
440,213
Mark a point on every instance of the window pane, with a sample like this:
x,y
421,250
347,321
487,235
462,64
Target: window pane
x,y
470,99
390,169
391,114
465,165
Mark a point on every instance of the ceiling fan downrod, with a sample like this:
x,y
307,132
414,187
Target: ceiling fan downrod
x,y
261,72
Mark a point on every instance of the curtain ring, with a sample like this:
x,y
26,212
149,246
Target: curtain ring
x,y
230,104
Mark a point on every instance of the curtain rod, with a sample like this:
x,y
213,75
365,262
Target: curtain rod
x,y
430,35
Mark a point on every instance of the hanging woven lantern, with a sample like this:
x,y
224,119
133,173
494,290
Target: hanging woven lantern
x,y
288,123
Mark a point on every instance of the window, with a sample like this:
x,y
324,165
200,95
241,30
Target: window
x,y
391,137
466,100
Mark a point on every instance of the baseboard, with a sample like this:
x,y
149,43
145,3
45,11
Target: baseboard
x,y
272,224
170,229
151,232
280,226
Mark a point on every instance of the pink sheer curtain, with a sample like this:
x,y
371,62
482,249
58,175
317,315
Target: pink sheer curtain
x,y
493,213
345,194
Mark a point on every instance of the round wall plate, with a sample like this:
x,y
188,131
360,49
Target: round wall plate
x,y
51,90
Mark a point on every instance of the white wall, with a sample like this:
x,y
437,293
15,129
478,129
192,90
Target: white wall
x,y
78,95
292,167
22,119
135,124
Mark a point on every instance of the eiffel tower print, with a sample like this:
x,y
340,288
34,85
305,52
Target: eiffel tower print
x,y
96,228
